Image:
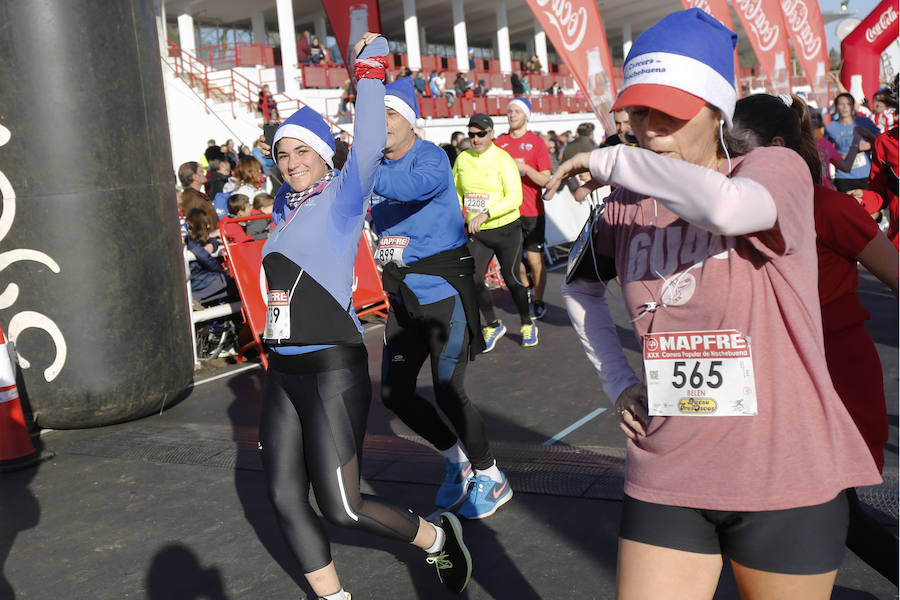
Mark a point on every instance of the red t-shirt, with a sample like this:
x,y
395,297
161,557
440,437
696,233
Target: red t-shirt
x,y
843,229
532,149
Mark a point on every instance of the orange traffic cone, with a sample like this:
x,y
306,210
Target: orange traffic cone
x,y
16,449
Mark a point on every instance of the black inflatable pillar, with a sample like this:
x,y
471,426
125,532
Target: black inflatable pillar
x,y
92,285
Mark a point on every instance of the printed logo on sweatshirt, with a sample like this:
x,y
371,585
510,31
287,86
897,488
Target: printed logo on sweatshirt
x,y
659,253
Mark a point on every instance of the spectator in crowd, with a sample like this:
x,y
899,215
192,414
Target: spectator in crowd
x,y
316,51
245,151
433,87
516,82
460,85
334,54
554,155
219,173
884,110
304,50
583,142
456,137
209,284
191,199
841,132
563,140
234,232
267,105
268,165
347,98
554,89
526,84
262,203
229,152
404,72
532,65
623,134
248,178
190,175
419,83
259,229
480,89
213,150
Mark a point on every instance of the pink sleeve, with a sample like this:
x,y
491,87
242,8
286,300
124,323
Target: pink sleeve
x,y
834,156
785,176
726,205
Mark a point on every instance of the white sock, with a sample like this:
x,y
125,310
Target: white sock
x,y
455,453
493,472
338,595
439,538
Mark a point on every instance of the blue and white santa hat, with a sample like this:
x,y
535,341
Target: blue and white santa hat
x,y
681,63
400,95
310,128
523,103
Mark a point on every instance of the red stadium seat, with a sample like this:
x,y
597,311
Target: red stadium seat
x,y
314,77
492,105
496,80
427,108
336,76
554,104
481,105
442,111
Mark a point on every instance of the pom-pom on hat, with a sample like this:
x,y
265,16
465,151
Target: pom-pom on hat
x,y
310,128
680,64
523,103
401,96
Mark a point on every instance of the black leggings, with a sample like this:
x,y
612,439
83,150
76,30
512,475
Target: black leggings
x,y
440,333
311,431
506,243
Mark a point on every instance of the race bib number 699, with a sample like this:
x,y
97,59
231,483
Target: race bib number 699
x,y
699,373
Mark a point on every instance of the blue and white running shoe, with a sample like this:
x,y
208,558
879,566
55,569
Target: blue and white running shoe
x,y
492,334
486,497
457,478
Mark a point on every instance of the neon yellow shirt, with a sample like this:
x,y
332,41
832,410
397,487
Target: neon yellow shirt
x,y
488,182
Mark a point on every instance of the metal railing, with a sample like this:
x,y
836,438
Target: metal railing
x,y
236,54
233,87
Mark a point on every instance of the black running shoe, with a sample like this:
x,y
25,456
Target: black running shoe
x,y
453,563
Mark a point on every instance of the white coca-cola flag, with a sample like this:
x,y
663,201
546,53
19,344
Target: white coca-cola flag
x,y
576,31
765,28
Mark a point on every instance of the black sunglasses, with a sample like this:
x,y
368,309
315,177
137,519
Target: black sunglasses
x,y
480,134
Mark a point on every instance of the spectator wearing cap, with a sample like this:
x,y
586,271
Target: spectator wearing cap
x,y
428,274
533,161
490,188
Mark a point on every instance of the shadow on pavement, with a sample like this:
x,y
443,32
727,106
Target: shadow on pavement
x,y
176,574
21,511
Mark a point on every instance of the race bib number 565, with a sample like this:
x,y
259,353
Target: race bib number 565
x,y
699,373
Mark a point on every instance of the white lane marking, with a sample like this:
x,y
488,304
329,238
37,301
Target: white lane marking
x,y
574,426
194,384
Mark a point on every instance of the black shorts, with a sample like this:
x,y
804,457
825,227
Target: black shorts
x,y
533,233
799,541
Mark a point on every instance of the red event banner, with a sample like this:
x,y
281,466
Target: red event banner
x,y
804,23
718,10
576,32
350,19
765,28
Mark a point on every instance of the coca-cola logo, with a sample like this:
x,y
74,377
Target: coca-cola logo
x,y
763,29
885,21
701,4
568,20
796,15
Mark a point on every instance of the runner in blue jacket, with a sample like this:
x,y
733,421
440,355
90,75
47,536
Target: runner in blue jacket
x,y
428,273
317,392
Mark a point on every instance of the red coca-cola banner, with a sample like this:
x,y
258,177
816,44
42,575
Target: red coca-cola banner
x,y
803,20
576,32
350,19
861,50
765,28
718,9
